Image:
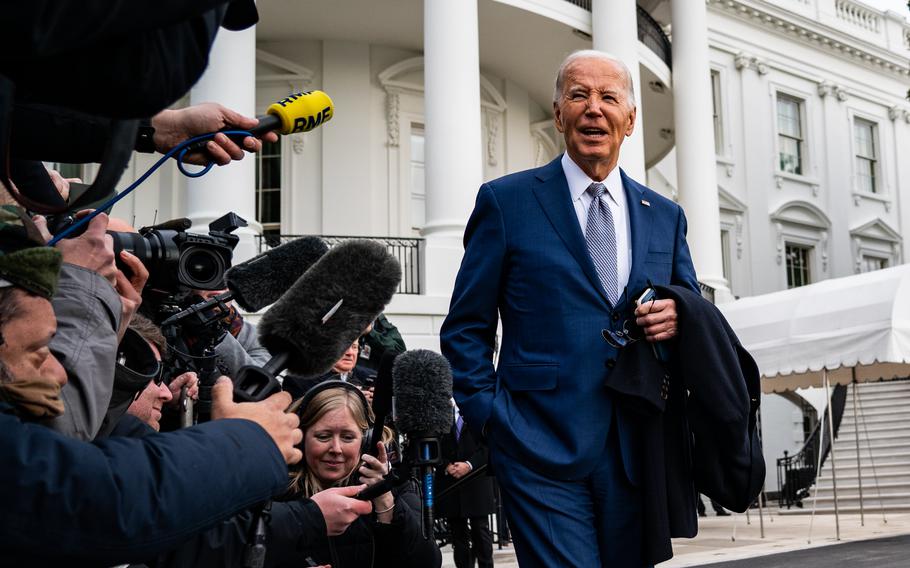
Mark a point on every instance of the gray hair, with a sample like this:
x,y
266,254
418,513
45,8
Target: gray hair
x,y
592,54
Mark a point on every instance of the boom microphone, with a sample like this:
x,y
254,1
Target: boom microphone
x,y
299,112
422,381
309,328
261,280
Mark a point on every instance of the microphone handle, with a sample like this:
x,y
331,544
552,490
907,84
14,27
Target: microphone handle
x,y
267,123
428,501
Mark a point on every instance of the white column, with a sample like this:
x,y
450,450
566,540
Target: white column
x,y
695,158
230,79
453,159
614,27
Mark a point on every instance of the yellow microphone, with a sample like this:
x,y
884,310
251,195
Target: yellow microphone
x,y
299,112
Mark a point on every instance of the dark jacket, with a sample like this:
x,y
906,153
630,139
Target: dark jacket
x,y
367,543
695,421
122,500
473,498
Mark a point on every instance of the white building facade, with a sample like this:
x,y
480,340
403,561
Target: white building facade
x,y
781,126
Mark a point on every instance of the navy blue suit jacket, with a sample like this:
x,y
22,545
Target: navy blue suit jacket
x,y
527,262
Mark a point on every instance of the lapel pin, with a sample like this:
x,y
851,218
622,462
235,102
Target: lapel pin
x,y
645,202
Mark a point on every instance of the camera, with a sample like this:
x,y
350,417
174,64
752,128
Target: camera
x,y
180,261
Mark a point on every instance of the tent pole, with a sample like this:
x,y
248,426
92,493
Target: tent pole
x,y
818,469
859,468
833,460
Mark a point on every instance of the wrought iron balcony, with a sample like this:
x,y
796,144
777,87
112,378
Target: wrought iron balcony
x,y
649,32
407,251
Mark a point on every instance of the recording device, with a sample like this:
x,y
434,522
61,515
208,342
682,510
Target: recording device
x,y
382,399
422,386
177,259
299,112
263,279
649,295
309,328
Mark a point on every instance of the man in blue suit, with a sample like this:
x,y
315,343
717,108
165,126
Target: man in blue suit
x,y
560,253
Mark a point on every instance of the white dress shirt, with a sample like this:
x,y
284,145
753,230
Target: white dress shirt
x,y
615,198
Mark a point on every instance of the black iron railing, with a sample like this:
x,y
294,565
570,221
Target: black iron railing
x,y
707,292
649,32
797,473
407,251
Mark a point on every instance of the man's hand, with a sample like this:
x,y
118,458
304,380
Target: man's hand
x,y
657,319
94,249
188,380
174,126
130,289
458,469
339,509
368,394
61,183
269,414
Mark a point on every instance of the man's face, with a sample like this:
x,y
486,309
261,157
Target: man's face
x,y
348,360
594,114
26,339
147,406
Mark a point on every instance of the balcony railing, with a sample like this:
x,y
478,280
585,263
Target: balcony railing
x,y
707,292
649,31
407,251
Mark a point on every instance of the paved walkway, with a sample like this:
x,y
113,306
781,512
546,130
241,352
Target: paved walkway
x,y
722,539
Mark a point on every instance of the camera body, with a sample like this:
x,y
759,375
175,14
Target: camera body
x,y
179,261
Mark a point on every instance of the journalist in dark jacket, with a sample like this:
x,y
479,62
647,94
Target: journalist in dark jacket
x,y
335,418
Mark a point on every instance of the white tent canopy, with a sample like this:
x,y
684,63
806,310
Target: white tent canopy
x,y
857,324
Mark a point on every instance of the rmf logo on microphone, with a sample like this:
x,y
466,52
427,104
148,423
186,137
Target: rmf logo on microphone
x,y
307,123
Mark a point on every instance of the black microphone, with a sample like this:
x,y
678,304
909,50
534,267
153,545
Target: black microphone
x,y
422,381
309,328
382,400
263,279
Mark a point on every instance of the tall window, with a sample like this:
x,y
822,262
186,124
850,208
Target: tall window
x,y
866,160
798,265
790,134
268,190
418,178
718,119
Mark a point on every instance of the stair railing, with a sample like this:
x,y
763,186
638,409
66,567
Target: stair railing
x,y
796,473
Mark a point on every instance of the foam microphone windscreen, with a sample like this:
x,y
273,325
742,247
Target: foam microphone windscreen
x,y
330,306
263,279
422,383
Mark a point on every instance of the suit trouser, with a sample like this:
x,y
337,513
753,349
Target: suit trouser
x,y
583,523
472,543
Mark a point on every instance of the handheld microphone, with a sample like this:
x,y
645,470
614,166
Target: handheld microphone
x,y
309,328
422,380
382,400
263,279
299,112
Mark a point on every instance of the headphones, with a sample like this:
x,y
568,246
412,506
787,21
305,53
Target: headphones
x,y
343,385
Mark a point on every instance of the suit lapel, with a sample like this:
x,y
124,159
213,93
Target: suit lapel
x,y
552,192
640,222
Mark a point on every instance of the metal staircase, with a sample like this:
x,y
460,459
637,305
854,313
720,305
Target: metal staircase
x,y
883,473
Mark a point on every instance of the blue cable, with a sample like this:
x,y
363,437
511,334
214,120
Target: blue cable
x,y
179,150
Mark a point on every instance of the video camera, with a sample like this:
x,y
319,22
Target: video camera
x,y
178,260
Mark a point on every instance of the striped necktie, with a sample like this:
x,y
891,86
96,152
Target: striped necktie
x,y
600,234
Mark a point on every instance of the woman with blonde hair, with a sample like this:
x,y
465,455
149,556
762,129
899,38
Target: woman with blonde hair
x,y
336,418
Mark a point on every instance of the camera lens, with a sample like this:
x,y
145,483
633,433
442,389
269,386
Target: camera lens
x,y
201,268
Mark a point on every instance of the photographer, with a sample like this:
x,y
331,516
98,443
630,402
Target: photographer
x,y
75,494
